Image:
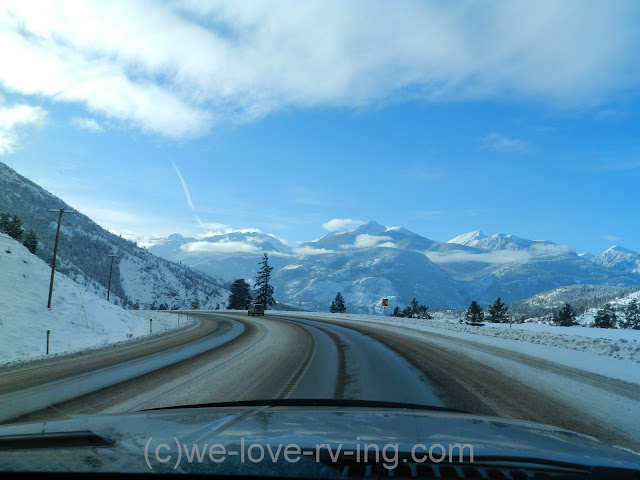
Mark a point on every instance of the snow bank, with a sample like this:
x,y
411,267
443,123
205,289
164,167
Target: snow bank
x,y
78,319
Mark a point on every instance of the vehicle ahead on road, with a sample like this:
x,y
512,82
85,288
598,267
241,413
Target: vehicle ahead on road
x,y
256,309
349,439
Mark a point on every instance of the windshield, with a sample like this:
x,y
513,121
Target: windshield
x,y
417,203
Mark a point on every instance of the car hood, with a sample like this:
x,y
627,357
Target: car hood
x,y
163,440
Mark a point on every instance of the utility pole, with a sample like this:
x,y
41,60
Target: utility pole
x,y
61,211
110,270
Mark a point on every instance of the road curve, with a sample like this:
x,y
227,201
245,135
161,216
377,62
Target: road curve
x,y
522,387
293,356
241,359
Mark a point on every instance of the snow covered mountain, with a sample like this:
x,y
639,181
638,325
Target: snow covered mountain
x,y
373,261
470,239
497,241
370,235
138,276
619,259
520,268
365,264
229,256
364,276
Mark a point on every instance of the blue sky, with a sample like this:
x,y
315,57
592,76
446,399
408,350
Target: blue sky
x,y
294,118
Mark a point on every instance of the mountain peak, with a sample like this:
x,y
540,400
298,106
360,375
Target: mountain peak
x,y
619,249
371,228
468,239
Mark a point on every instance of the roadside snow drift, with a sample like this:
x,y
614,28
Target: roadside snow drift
x,y
77,319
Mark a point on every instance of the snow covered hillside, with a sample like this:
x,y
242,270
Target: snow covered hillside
x,y
84,249
78,319
580,297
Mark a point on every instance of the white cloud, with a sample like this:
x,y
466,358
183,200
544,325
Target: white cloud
x,y
543,250
8,142
308,250
12,119
499,257
20,115
223,246
87,124
370,241
496,257
175,69
341,224
500,143
611,238
214,229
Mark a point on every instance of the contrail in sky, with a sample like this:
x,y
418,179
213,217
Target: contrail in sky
x,y
184,186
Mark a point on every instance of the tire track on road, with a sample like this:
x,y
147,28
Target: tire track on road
x,y
342,378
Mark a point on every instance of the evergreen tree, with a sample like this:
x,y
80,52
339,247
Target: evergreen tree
x,y
474,314
338,306
498,312
606,317
31,241
5,223
195,304
263,289
240,297
12,226
136,306
632,315
424,312
565,317
396,312
414,307
16,228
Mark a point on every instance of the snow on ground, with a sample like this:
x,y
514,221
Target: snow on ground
x,y
78,319
612,353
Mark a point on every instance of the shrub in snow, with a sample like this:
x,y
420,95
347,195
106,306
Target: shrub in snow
x,y
566,317
606,317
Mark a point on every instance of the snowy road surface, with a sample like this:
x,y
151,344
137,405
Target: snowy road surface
x,y
236,357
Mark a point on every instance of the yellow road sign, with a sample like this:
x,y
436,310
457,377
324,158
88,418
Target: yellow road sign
x,y
385,302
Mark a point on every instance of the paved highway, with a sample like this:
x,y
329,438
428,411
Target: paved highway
x,y
230,357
